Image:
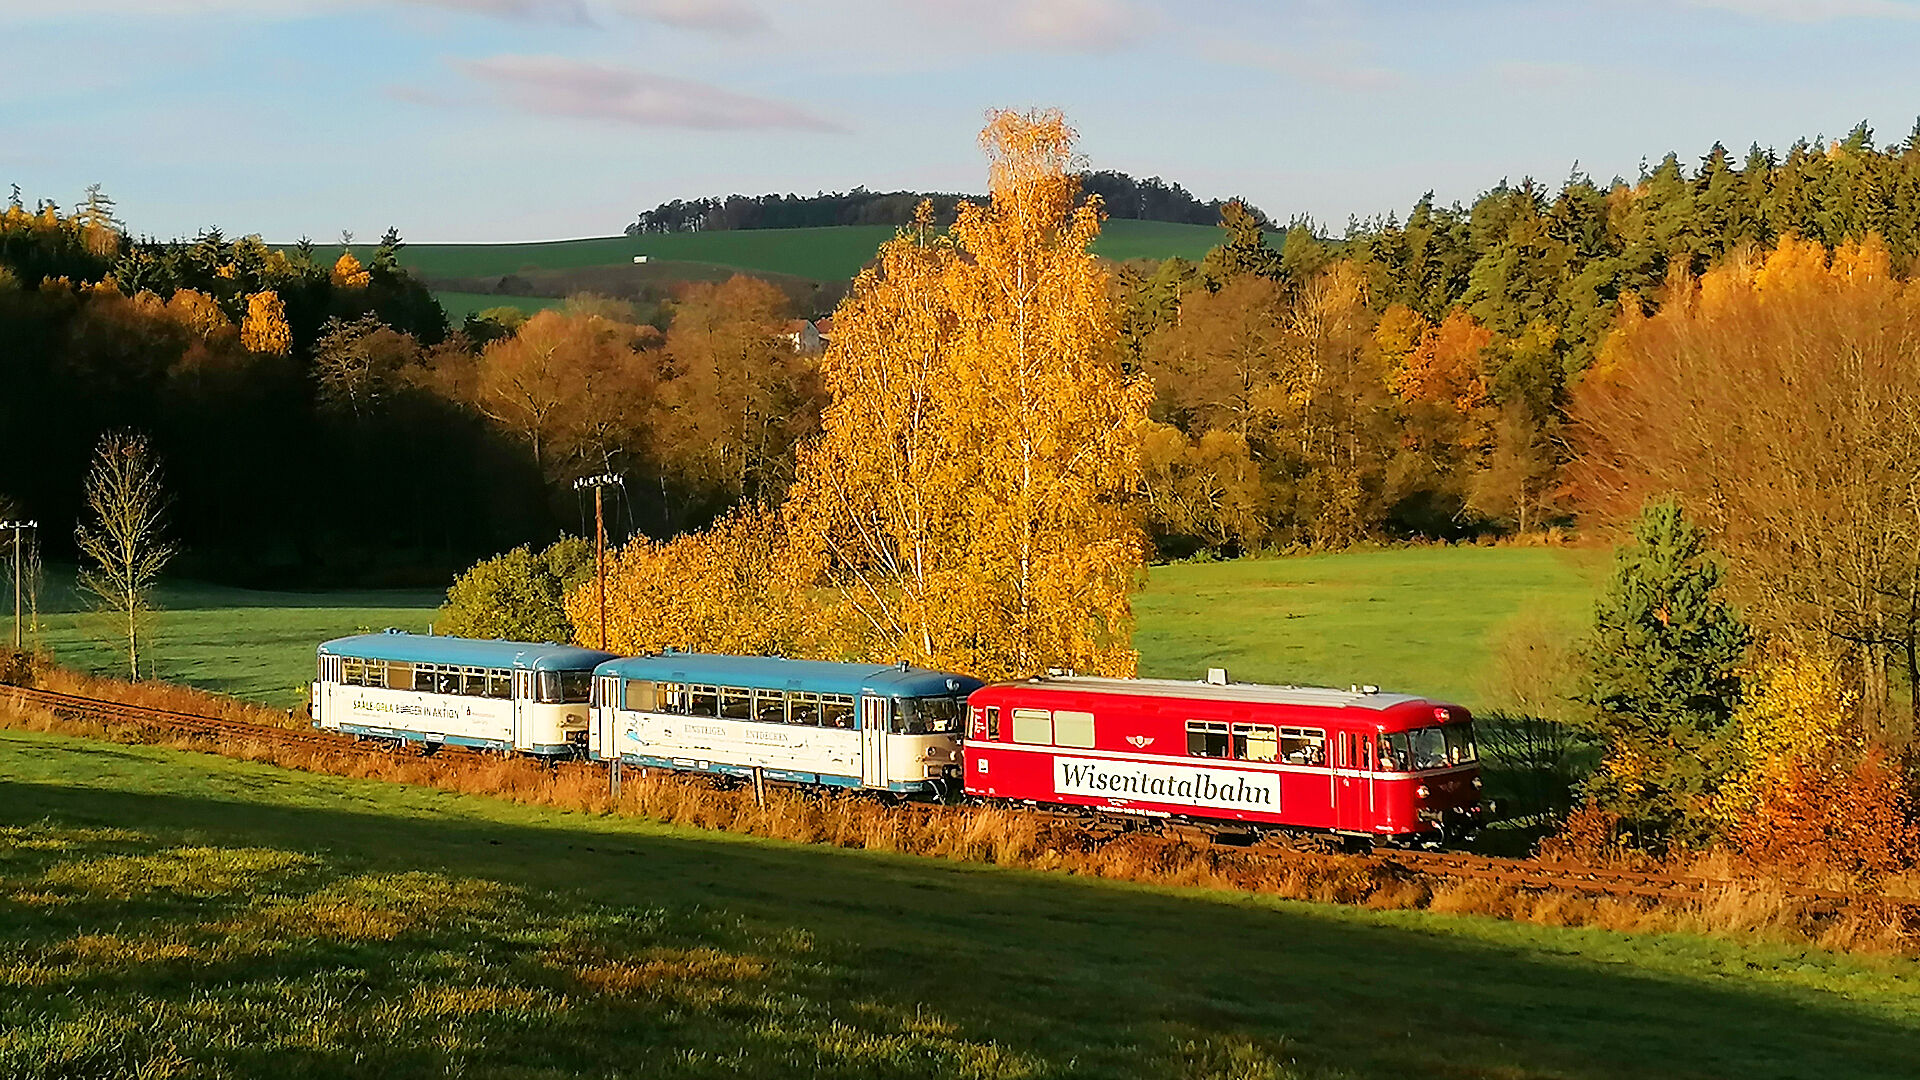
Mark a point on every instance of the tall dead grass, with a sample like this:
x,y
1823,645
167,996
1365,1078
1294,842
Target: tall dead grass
x,y
1752,906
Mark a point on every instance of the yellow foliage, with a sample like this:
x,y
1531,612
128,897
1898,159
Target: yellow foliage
x,y
265,329
347,272
737,587
198,312
1397,335
972,490
1792,711
971,500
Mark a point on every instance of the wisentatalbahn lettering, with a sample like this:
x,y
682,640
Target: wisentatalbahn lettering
x,y
1230,790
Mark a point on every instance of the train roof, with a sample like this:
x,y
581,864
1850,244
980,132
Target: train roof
x,y
1254,693
464,652
779,673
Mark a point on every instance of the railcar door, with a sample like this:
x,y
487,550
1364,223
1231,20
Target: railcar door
x,y
873,741
522,705
1351,786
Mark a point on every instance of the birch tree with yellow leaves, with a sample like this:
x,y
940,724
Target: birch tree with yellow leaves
x,y
973,493
972,500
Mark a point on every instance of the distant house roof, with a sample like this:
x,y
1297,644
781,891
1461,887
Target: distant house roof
x,y
797,326
824,326
778,673
466,652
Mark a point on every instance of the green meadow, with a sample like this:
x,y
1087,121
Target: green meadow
x,y
1420,620
169,914
823,254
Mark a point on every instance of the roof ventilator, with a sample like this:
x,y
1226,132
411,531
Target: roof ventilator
x,y
1217,676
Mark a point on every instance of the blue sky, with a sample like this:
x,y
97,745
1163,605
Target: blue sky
x,y
464,120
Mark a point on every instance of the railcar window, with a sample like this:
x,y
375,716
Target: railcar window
x,y
836,711
499,683
993,722
1072,728
1033,726
473,682
1393,752
1207,738
736,703
1427,748
770,706
446,679
353,672
671,698
1303,746
1255,742
565,687
926,716
639,695
705,701
803,708
1460,746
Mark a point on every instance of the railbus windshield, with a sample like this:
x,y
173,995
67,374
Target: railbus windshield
x,y
928,715
565,687
1442,746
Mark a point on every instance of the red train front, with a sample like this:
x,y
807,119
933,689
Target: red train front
x,y
1246,756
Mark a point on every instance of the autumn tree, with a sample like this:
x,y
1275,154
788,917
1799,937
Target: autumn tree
x,y
358,363
1779,397
973,489
124,542
737,397
1661,677
265,328
572,386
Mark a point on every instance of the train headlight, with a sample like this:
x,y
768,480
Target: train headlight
x,y
1476,783
1421,792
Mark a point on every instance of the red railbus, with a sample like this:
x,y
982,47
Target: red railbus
x,y
1244,757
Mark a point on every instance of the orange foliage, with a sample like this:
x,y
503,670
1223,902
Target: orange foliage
x,y
265,329
1446,368
1857,818
199,313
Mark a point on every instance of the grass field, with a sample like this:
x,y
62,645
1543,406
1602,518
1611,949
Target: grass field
x,y
253,644
171,914
821,254
459,305
1419,620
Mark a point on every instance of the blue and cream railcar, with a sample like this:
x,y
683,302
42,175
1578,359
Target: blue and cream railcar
x,y
891,728
494,695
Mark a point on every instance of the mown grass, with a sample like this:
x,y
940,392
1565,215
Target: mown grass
x,y
459,305
1420,620
821,254
250,643
167,914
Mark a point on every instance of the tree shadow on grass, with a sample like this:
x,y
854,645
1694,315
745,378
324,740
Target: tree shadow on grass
x,y
865,965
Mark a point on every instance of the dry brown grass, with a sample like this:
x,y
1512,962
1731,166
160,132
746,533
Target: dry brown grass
x,y
1760,907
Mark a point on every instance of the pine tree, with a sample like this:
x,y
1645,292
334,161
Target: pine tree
x,y
1661,679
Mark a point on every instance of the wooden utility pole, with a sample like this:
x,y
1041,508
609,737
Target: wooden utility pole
x,y
599,484
17,526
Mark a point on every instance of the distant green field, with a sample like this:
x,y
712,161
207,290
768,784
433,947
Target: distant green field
x,y
822,254
459,305
1412,619
171,914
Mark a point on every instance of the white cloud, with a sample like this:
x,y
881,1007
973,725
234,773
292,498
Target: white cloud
x,y
1074,26
729,18
1338,67
558,86
1815,10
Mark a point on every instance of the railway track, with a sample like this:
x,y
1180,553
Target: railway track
x,y
1533,874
